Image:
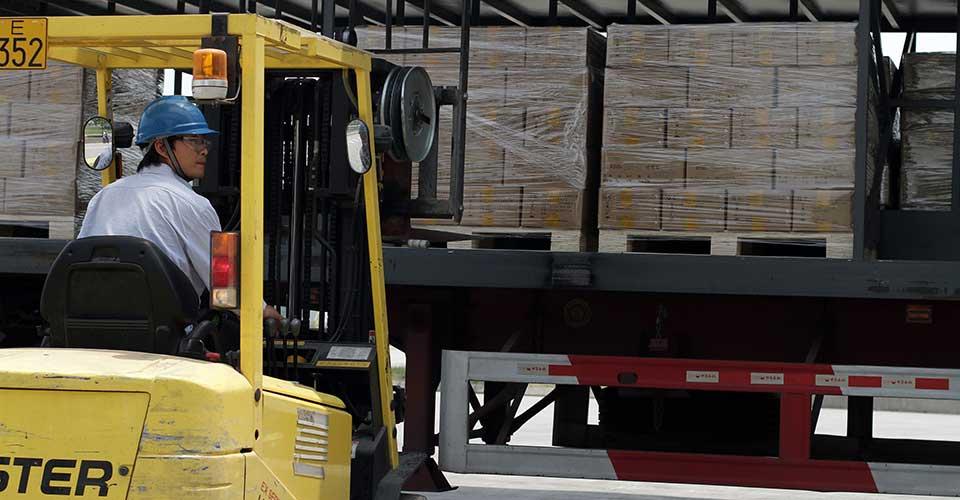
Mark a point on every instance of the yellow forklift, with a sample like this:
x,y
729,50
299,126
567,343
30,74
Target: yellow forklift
x,y
143,390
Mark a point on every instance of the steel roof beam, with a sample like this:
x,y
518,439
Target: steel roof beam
x,y
438,14
656,10
76,7
368,14
889,10
733,10
585,13
21,8
145,7
810,10
509,12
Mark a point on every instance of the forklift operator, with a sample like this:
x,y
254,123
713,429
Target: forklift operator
x,y
158,203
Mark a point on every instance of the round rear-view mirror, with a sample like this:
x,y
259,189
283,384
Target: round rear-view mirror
x,y
358,146
98,146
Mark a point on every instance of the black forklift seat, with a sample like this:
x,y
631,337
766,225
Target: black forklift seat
x,y
117,292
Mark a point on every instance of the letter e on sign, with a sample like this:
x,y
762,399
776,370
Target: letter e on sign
x,y
23,43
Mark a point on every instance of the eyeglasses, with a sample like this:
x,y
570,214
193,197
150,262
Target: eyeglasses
x,y
197,143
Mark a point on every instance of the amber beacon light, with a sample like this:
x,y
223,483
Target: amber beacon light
x,y
209,74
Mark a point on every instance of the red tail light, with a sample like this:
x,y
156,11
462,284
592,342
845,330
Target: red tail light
x,y
221,272
224,270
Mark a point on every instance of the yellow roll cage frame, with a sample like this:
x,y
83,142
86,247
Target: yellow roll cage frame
x,y
105,43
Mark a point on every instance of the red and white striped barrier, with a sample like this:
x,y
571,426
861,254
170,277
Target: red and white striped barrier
x,y
795,382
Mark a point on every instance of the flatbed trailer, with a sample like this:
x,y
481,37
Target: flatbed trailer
x,y
706,368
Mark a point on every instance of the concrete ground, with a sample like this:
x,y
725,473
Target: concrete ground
x,y
537,432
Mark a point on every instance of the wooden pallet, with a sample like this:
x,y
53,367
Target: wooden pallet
x,y
823,245
54,227
517,238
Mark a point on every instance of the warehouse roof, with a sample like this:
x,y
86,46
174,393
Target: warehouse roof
x,y
912,15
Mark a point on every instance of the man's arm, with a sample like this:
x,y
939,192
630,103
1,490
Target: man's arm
x,y
198,223
198,249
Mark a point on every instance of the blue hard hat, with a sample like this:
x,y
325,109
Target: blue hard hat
x,y
171,115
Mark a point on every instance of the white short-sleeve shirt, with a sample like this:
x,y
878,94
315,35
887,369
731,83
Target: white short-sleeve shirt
x,y
159,206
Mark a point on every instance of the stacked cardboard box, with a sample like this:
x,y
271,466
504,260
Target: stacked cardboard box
x,y
530,149
729,128
131,91
42,178
926,172
40,120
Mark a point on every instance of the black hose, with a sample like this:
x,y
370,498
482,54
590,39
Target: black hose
x,y
348,304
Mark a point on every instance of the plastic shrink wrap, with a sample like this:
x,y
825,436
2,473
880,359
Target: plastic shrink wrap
x,y
738,128
926,169
532,95
44,185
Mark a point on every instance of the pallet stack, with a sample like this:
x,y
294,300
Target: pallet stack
x,y
927,135
44,185
40,121
730,131
131,91
530,149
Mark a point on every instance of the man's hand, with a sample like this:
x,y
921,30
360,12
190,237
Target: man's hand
x,y
270,313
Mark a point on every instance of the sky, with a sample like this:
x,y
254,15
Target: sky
x,y
926,42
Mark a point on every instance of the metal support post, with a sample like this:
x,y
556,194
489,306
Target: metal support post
x,y
460,118
177,74
378,288
862,127
388,40
454,386
426,24
105,109
880,78
421,398
570,411
506,429
795,425
296,244
422,374
860,419
353,17
329,13
955,198
251,216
